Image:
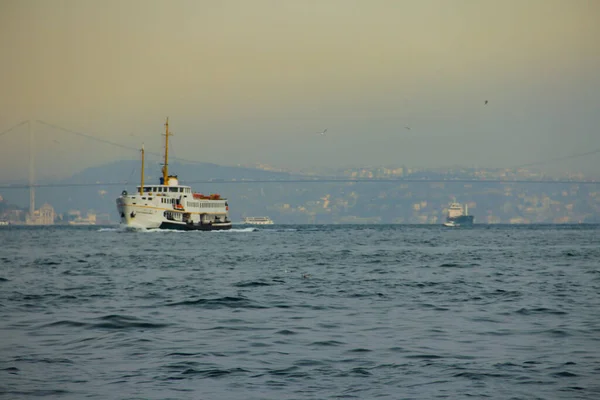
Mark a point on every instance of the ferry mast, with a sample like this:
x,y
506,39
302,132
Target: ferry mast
x,y
165,169
142,178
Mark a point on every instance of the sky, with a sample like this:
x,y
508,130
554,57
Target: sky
x,y
246,82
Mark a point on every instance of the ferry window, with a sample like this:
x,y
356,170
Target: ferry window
x,y
149,198
172,189
180,190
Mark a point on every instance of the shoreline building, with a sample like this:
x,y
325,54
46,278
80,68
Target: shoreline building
x,y
45,215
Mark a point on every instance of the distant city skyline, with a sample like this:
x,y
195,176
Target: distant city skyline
x,y
248,82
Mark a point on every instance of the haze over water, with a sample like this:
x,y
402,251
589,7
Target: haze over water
x,y
249,82
301,312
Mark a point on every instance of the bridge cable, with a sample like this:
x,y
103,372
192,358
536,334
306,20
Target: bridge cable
x,y
16,126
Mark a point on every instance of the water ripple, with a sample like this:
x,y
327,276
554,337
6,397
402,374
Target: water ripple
x,y
303,312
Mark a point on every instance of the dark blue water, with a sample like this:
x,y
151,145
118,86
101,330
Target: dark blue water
x,y
301,312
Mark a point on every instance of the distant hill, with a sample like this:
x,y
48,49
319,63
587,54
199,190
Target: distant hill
x,y
332,202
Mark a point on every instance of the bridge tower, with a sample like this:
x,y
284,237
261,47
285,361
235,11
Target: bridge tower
x,y
31,172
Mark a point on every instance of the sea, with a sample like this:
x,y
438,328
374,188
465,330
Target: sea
x,y
301,312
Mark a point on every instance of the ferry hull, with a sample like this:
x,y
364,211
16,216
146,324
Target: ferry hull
x,y
195,227
140,217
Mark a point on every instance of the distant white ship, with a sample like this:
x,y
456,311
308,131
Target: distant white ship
x,y
81,222
458,216
258,221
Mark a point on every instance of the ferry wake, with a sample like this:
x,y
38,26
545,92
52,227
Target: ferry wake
x,y
169,205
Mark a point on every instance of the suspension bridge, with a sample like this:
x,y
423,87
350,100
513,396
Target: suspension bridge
x,y
298,179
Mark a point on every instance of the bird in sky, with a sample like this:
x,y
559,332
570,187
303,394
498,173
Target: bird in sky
x,y
485,102
407,127
323,133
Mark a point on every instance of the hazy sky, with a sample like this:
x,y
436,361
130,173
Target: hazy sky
x,y
254,81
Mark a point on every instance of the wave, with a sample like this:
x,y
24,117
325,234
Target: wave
x,y
108,322
251,284
223,302
214,373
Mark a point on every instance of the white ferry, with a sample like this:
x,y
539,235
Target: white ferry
x,y
170,205
258,221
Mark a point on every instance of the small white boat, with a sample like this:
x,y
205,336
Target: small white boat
x,y
257,221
